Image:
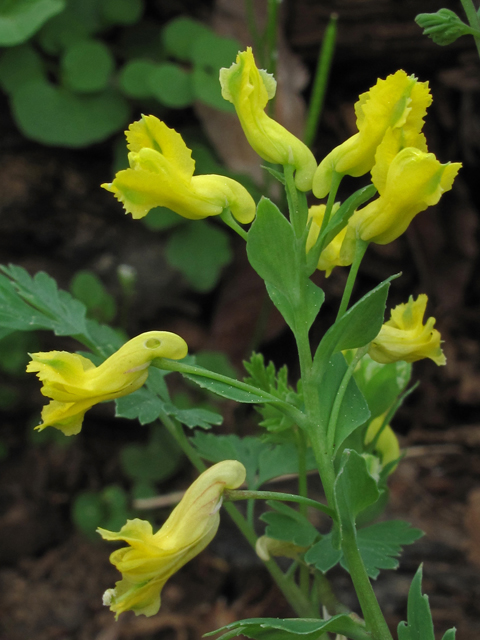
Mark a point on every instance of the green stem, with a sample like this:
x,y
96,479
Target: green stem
x,y
360,248
258,396
252,27
302,507
473,19
271,36
332,423
297,202
372,613
239,494
230,221
336,180
321,79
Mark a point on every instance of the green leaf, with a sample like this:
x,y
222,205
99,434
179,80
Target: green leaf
x,y
443,27
216,448
20,19
381,384
293,629
276,263
380,544
226,390
216,361
420,625
289,525
279,460
79,21
37,303
179,36
142,405
450,634
135,80
88,288
356,328
161,218
323,555
195,417
171,85
55,116
86,66
354,489
125,12
210,53
199,251
354,409
19,65
154,462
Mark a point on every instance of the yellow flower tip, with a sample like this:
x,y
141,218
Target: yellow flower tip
x,y
332,256
150,559
75,384
399,102
387,445
405,337
249,89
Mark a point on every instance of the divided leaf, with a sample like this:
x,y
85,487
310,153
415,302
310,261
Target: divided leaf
x,y
293,629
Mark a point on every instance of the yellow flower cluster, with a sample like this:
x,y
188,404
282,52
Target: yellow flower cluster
x,y
151,558
75,384
389,143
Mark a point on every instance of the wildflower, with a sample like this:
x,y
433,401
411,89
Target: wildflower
x,y
250,89
405,337
75,384
408,182
161,174
332,255
398,102
387,443
151,558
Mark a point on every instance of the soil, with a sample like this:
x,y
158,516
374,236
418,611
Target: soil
x,y
54,217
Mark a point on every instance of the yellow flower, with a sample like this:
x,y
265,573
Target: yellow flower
x,y
387,444
249,89
161,174
152,558
332,255
399,102
405,337
75,384
408,182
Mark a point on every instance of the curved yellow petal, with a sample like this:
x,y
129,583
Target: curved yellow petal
x,y
75,384
249,90
151,558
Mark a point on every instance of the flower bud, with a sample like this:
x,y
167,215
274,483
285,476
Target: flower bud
x,y
249,89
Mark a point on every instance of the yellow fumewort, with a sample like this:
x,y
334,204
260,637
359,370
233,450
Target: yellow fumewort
x,y
398,102
331,256
152,558
161,174
75,384
387,444
250,89
408,181
405,337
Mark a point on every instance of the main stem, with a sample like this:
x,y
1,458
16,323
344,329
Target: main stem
x,y
473,19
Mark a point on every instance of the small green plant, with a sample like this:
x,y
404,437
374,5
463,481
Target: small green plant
x,y
74,70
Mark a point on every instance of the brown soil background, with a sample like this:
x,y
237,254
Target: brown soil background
x,y
54,217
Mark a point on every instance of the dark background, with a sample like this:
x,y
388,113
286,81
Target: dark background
x,y
55,217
